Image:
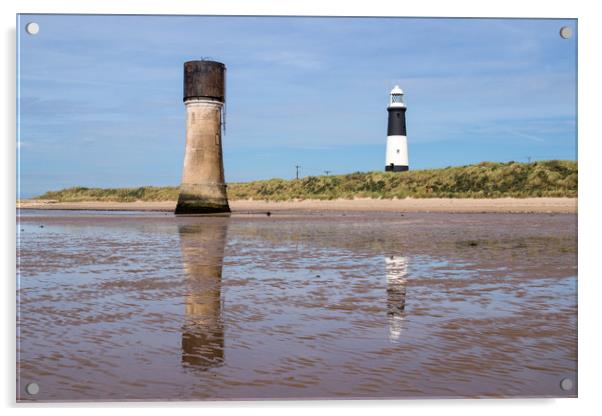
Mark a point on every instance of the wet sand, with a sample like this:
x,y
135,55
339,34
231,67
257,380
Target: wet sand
x,y
148,306
500,205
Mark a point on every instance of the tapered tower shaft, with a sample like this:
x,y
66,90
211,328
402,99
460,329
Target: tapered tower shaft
x,y
203,187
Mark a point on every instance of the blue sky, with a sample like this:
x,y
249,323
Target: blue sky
x,y
100,97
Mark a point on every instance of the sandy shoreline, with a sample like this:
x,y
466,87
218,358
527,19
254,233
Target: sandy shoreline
x,y
499,205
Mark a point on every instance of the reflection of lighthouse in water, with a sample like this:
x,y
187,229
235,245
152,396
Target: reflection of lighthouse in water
x,y
396,270
202,248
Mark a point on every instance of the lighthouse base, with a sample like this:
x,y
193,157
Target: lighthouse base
x,y
396,159
201,199
396,168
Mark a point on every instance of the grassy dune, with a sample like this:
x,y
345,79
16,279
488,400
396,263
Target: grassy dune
x,y
553,178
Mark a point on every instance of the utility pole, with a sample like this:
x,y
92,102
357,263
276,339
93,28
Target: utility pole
x,y
327,172
297,175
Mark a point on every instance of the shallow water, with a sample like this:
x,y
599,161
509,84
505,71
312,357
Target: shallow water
x,y
146,306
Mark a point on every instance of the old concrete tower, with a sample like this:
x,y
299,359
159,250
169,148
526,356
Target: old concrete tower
x,y
203,188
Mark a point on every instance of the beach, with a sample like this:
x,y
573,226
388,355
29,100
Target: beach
x,y
117,306
450,205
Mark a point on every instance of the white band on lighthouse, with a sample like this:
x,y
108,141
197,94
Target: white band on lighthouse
x,y
396,158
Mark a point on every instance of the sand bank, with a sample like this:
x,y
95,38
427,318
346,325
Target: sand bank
x,y
502,205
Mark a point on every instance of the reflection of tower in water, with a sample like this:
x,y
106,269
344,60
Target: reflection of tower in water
x,y
396,269
202,246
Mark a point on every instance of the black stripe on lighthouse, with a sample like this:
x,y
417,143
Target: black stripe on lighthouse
x,y
397,121
396,168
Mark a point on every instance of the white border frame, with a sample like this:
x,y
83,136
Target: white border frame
x,y
588,156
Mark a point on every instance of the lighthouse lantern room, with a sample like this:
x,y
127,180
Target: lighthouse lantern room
x,y
396,158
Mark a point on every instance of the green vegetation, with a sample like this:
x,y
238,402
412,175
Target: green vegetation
x,y
554,178
143,193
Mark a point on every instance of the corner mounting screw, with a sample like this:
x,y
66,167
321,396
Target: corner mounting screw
x,y
566,32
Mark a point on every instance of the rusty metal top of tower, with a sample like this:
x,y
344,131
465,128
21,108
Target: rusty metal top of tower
x,y
205,79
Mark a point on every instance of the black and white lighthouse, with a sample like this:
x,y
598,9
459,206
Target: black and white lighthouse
x,y
396,159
